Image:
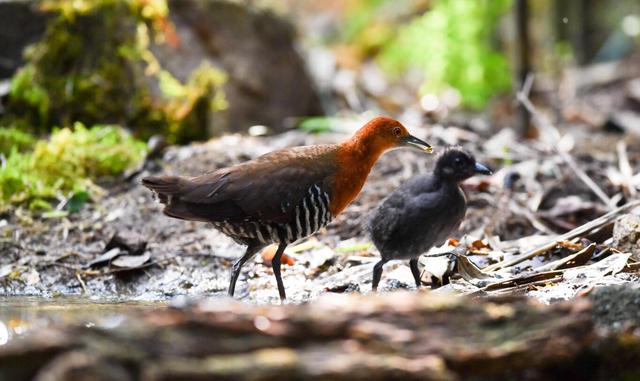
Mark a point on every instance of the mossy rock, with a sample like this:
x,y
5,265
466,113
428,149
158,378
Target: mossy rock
x,y
267,81
94,65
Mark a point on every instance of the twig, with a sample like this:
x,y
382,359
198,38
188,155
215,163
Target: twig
x,y
551,131
82,284
577,232
520,287
57,264
587,252
625,167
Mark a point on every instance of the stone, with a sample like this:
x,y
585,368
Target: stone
x,y
626,234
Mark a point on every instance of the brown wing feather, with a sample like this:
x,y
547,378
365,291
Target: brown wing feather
x,y
267,188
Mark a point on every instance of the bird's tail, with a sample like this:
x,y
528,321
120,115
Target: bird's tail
x,y
165,187
169,190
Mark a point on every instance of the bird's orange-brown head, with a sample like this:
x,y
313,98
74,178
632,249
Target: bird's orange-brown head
x,y
357,156
383,133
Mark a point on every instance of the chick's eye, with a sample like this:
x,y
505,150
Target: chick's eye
x,y
457,161
397,131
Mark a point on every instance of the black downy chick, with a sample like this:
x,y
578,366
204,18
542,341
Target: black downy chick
x,y
423,211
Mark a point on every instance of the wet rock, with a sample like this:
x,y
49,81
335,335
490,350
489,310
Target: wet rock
x,y
626,234
616,306
267,80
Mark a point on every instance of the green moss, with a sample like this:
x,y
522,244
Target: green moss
x,y
15,138
94,65
68,163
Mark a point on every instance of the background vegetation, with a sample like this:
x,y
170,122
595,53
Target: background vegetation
x,y
477,70
94,67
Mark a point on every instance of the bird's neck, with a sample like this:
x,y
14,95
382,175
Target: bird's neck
x,y
355,159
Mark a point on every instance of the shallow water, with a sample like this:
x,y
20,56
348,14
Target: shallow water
x,y
20,314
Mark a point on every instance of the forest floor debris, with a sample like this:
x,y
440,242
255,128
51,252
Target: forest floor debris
x,y
122,246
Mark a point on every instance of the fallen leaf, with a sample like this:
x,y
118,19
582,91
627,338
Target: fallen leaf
x,y
469,271
523,280
573,260
570,245
611,265
131,261
74,204
104,258
479,244
270,251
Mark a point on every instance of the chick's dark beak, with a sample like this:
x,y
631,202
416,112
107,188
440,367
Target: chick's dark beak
x,y
412,141
482,169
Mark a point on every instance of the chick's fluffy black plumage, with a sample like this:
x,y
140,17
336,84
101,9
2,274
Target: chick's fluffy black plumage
x,y
422,212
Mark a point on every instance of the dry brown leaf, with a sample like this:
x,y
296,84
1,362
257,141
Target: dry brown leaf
x,y
469,271
270,251
570,245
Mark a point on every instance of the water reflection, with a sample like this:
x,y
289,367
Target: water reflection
x,y
19,315
4,334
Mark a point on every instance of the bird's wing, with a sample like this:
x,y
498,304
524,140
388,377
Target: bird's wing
x,y
409,208
268,188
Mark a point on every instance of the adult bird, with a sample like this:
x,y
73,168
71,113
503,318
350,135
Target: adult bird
x,y
284,195
422,212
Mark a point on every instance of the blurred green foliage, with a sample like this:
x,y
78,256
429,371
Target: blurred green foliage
x,y
450,41
67,164
13,138
94,65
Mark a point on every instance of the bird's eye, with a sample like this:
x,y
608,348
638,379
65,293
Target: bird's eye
x,y
397,131
457,161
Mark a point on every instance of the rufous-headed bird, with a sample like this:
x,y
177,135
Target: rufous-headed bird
x,y
422,212
284,195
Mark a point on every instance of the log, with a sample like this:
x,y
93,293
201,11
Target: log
x,y
397,336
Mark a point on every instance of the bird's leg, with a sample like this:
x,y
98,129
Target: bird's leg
x,y
275,264
252,249
413,264
377,273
